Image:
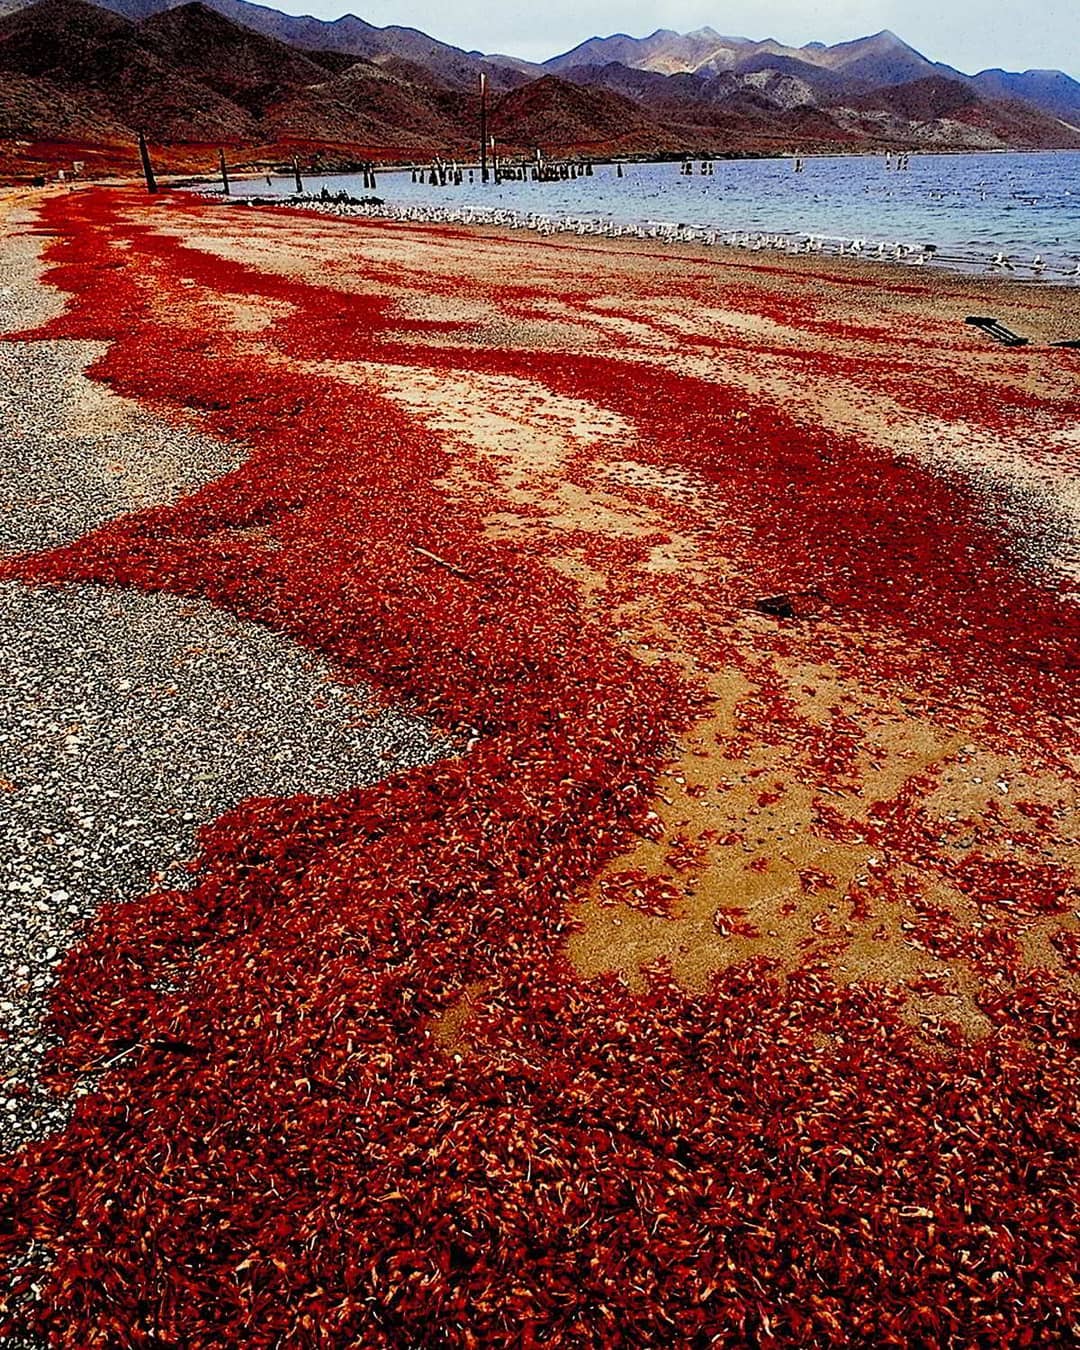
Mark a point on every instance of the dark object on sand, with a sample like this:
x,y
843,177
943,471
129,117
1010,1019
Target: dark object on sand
x,y
1000,333
779,606
793,604
993,328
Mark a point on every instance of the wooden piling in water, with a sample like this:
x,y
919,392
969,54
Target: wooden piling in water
x,y
224,173
296,171
147,167
483,128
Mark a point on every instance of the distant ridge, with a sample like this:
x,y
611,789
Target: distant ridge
x,y
1051,90
881,58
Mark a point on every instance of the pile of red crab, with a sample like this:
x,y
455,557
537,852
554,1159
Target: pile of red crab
x,y
287,1154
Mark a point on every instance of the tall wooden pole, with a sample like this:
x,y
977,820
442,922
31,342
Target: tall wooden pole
x,y
483,128
296,171
224,173
147,167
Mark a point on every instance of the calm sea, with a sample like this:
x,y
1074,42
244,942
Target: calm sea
x,y
971,208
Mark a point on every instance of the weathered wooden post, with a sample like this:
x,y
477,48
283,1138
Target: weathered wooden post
x,y
483,128
224,173
296,171
147,167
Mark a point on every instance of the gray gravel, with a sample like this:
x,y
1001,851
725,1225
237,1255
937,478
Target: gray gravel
x,y
23,304
127,721
73,455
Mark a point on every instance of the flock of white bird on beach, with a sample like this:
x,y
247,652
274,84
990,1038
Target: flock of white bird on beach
x,y
671,233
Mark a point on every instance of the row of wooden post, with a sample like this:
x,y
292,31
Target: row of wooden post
x,y
440,173
226,187
540,171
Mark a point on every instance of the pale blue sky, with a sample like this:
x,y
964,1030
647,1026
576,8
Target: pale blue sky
x,y
967,34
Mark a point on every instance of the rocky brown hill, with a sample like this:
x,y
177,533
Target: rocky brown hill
x,y
79,80
89,65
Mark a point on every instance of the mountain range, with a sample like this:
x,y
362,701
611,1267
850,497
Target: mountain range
x,y
79,80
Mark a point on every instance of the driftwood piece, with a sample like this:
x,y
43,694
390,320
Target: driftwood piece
x,y
450,567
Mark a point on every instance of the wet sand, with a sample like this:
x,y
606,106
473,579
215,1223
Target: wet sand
x,y
878,354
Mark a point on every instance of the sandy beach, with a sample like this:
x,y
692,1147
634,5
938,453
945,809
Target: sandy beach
x,y
690,954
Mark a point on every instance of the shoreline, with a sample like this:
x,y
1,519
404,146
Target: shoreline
x,y
1016,296
908,241
964,222
769,243
257,167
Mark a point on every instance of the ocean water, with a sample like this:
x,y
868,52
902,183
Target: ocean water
x,y
970,208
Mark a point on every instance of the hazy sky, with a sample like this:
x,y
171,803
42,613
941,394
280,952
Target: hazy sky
x,y
967,34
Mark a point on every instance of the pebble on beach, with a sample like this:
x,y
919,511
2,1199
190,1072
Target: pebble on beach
x,y
127,721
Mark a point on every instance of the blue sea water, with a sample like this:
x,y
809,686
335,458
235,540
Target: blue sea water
x,y
970,207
